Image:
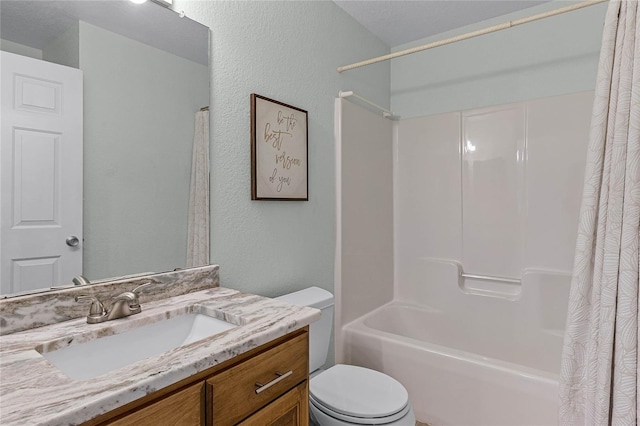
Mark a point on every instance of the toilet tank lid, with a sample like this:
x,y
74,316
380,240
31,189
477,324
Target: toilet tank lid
x,y
314,297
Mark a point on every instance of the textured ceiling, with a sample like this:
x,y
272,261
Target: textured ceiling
x,y
36,22
399,21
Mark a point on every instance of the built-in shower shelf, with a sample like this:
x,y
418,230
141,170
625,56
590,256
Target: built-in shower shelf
x,y
493,286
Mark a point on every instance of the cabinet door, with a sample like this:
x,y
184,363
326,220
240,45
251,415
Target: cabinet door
x,y
291,409
183,408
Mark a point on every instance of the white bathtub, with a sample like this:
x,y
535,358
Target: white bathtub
x,y
475,360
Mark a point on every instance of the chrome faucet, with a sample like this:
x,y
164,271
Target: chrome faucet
x,y
124,305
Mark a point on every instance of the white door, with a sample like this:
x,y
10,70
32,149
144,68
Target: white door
x,y
40,173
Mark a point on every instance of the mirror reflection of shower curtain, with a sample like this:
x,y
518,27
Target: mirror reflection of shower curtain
x,y
198,232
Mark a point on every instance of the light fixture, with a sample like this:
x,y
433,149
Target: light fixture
x,y
137,1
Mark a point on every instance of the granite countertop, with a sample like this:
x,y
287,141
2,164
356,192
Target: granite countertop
x,y
34,392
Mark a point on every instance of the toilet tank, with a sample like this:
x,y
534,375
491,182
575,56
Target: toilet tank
x,y
319,331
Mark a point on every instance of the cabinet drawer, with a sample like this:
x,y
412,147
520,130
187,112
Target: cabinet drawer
x,y
291,409
235,393
183,408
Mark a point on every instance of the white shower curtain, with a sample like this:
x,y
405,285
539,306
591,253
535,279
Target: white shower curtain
x,y
599,372
198,233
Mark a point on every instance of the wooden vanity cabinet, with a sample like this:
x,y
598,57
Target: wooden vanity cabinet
x,y
184,407
234,392
265,386
292,408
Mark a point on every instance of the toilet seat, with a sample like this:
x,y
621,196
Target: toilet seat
x,y
358,395
360,420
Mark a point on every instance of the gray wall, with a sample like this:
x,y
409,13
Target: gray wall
x,y
288,51
20,49
137,153
64,50
554,56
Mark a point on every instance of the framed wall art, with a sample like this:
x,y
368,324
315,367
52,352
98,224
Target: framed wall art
x,y
279,151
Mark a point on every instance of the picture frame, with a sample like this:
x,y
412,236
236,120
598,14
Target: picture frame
x,y
279,151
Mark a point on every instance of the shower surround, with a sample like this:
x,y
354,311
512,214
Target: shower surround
x,y
483,227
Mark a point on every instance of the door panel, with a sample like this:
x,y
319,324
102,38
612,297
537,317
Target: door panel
x,y
40,173
35,183
37,95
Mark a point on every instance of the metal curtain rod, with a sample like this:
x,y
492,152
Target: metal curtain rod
x,y
385,112
472,34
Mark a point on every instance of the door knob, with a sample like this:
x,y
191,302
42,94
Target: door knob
x,y
72,241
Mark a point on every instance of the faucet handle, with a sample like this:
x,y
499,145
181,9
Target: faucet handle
x,y
141,287
135,293
80,280
97,311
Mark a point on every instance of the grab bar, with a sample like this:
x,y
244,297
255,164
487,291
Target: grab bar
x,y
490,278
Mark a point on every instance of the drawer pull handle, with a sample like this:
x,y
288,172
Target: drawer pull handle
x,y
281,376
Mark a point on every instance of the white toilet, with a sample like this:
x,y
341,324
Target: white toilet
x,y
346,394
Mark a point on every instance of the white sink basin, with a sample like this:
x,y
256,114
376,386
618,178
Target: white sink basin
x,y
93,358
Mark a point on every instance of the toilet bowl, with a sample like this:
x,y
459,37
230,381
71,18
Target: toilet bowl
x,y
350,395
347,394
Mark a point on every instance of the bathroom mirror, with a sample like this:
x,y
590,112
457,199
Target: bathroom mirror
x,y
145,76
